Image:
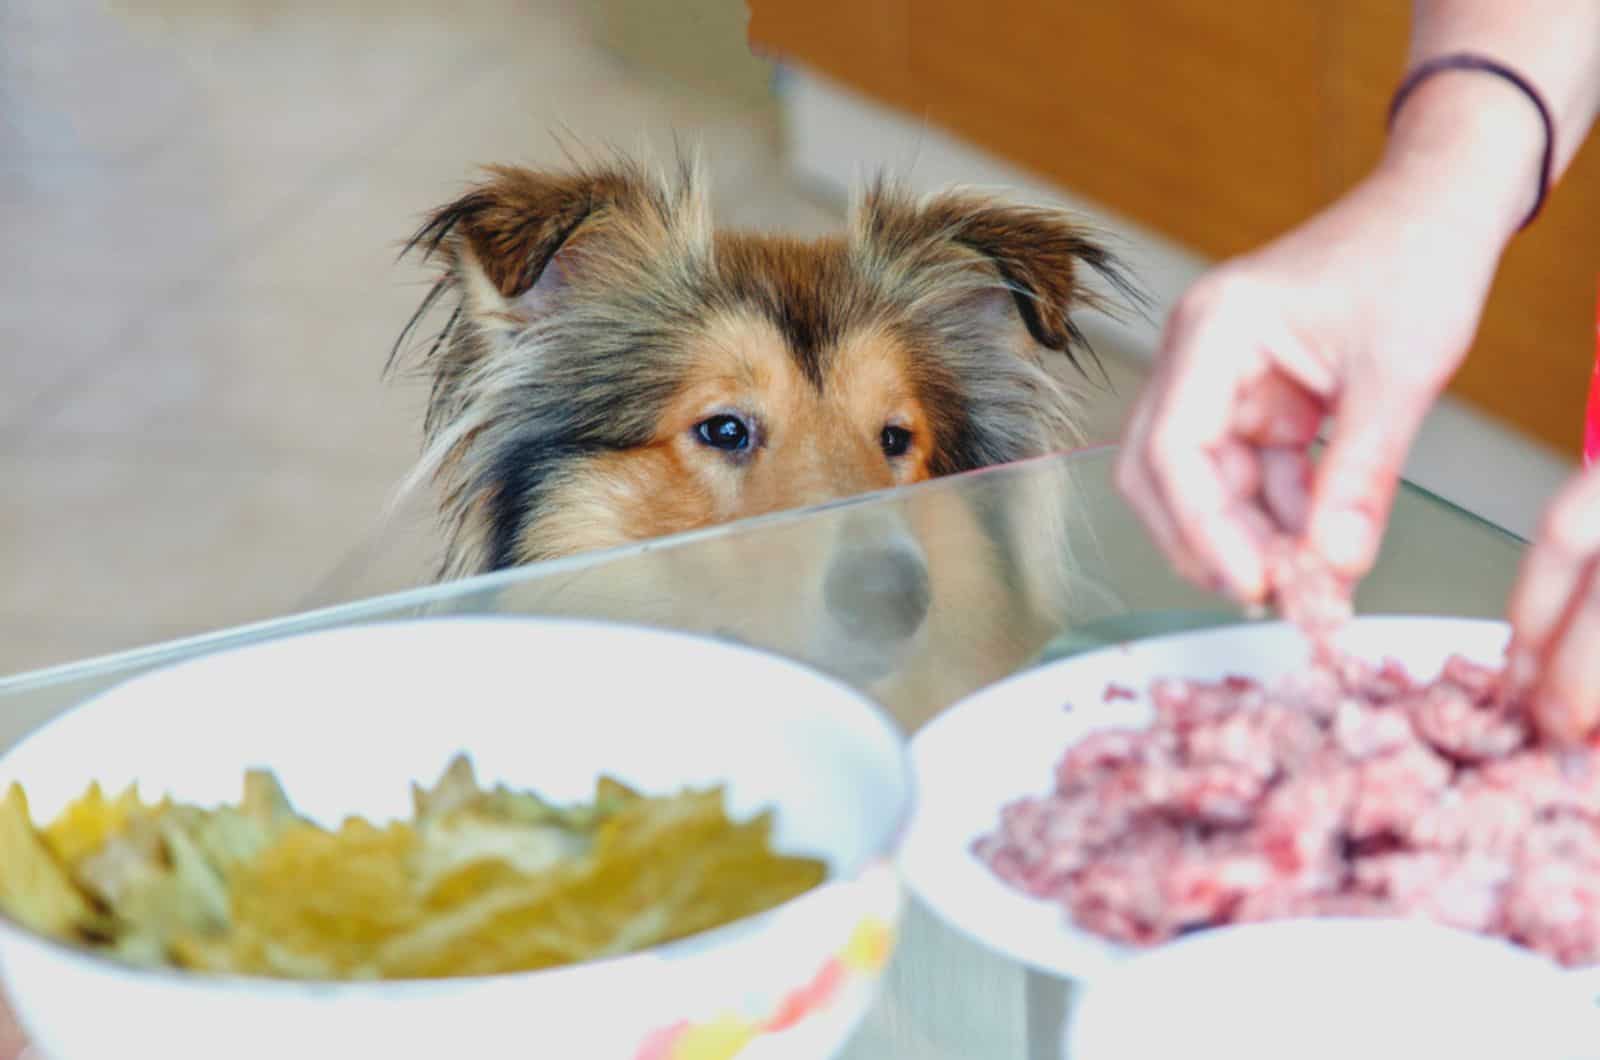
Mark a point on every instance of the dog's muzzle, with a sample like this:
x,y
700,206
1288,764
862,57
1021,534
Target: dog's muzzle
x,y
878,592
876,597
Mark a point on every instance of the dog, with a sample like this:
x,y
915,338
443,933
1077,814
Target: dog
x,y
614,368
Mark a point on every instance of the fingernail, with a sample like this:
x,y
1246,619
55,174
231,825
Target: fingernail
x,y
1343,538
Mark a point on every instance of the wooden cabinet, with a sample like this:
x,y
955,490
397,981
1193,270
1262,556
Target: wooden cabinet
x,y
1217,125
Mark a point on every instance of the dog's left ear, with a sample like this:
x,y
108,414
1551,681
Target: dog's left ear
x,y
1037,255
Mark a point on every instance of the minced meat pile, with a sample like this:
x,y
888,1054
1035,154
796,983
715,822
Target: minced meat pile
x,y
1344,790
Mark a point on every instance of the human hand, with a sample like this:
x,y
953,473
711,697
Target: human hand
x,y
1362,314
1553,666
12,1043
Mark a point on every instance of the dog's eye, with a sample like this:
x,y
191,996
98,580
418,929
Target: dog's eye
x,y
728,433
895,441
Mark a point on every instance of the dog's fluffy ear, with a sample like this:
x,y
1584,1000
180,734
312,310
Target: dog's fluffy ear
x,y
511,243
505,243
527,259
1034,254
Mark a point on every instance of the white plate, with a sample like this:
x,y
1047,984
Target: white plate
x,y
1004,742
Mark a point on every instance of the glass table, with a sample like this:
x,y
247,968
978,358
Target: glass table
x,y
920,597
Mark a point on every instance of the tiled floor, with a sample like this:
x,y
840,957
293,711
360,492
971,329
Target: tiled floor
x,y
201,204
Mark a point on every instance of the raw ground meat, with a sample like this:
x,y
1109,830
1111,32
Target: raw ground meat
x,y
1307,592
1552,902
1346,789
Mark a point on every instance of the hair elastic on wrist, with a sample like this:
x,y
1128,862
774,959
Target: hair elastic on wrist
x,y
1467,61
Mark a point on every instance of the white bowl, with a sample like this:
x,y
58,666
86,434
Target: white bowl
x,y
1332,989
349,718
1004,743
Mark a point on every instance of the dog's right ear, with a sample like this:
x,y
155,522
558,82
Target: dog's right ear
x,y
510,249
510,243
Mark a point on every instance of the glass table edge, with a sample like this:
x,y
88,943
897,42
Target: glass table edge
x,y
421,596
413,599
1440,501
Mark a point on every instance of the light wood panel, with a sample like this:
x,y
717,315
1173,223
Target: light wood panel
x,y
1198,119
861,43
1218,125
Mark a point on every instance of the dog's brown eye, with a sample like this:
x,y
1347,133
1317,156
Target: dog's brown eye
x,y
895,441
728,433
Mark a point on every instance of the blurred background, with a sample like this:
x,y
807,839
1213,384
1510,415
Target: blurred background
x,y
201,205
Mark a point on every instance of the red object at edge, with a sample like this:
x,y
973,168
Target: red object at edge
x,y
1591,423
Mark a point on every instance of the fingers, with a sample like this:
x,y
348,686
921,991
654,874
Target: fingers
x,y
1138,487
12,1044
1192,459
1555,615
1212,360
1568,539
1277,412
1357,477
1566,697
1209,516
1286,476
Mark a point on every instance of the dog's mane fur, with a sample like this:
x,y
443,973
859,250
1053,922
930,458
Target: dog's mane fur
x,y
571,296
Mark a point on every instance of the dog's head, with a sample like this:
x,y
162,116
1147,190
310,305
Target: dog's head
x,y
614,369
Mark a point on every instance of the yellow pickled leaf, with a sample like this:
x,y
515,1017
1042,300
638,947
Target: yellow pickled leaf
x,y
227,838
484,881
264,800
469,883
327,896
158,885
34,887
514,927
128,862
458,795
89,822
610,790
666,869
200,892
142,947
661,869
456,787
470,841
206,954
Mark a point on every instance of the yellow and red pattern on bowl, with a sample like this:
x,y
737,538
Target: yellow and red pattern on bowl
x,y
725,1037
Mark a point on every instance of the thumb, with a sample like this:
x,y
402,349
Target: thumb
x,y
1358,474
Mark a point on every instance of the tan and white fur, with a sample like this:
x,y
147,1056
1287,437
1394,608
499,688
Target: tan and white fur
x,y
614,368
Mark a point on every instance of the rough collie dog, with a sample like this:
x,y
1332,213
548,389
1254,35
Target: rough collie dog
x,y
614,368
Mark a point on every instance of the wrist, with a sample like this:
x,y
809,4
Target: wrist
x,y
1466,149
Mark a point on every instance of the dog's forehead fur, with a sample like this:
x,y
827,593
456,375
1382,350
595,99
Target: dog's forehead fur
x,y
809,291
582,300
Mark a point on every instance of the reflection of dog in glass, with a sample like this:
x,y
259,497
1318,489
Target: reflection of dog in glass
x,y
615,369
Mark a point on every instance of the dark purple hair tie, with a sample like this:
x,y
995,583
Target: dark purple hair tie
x,y
1467,61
